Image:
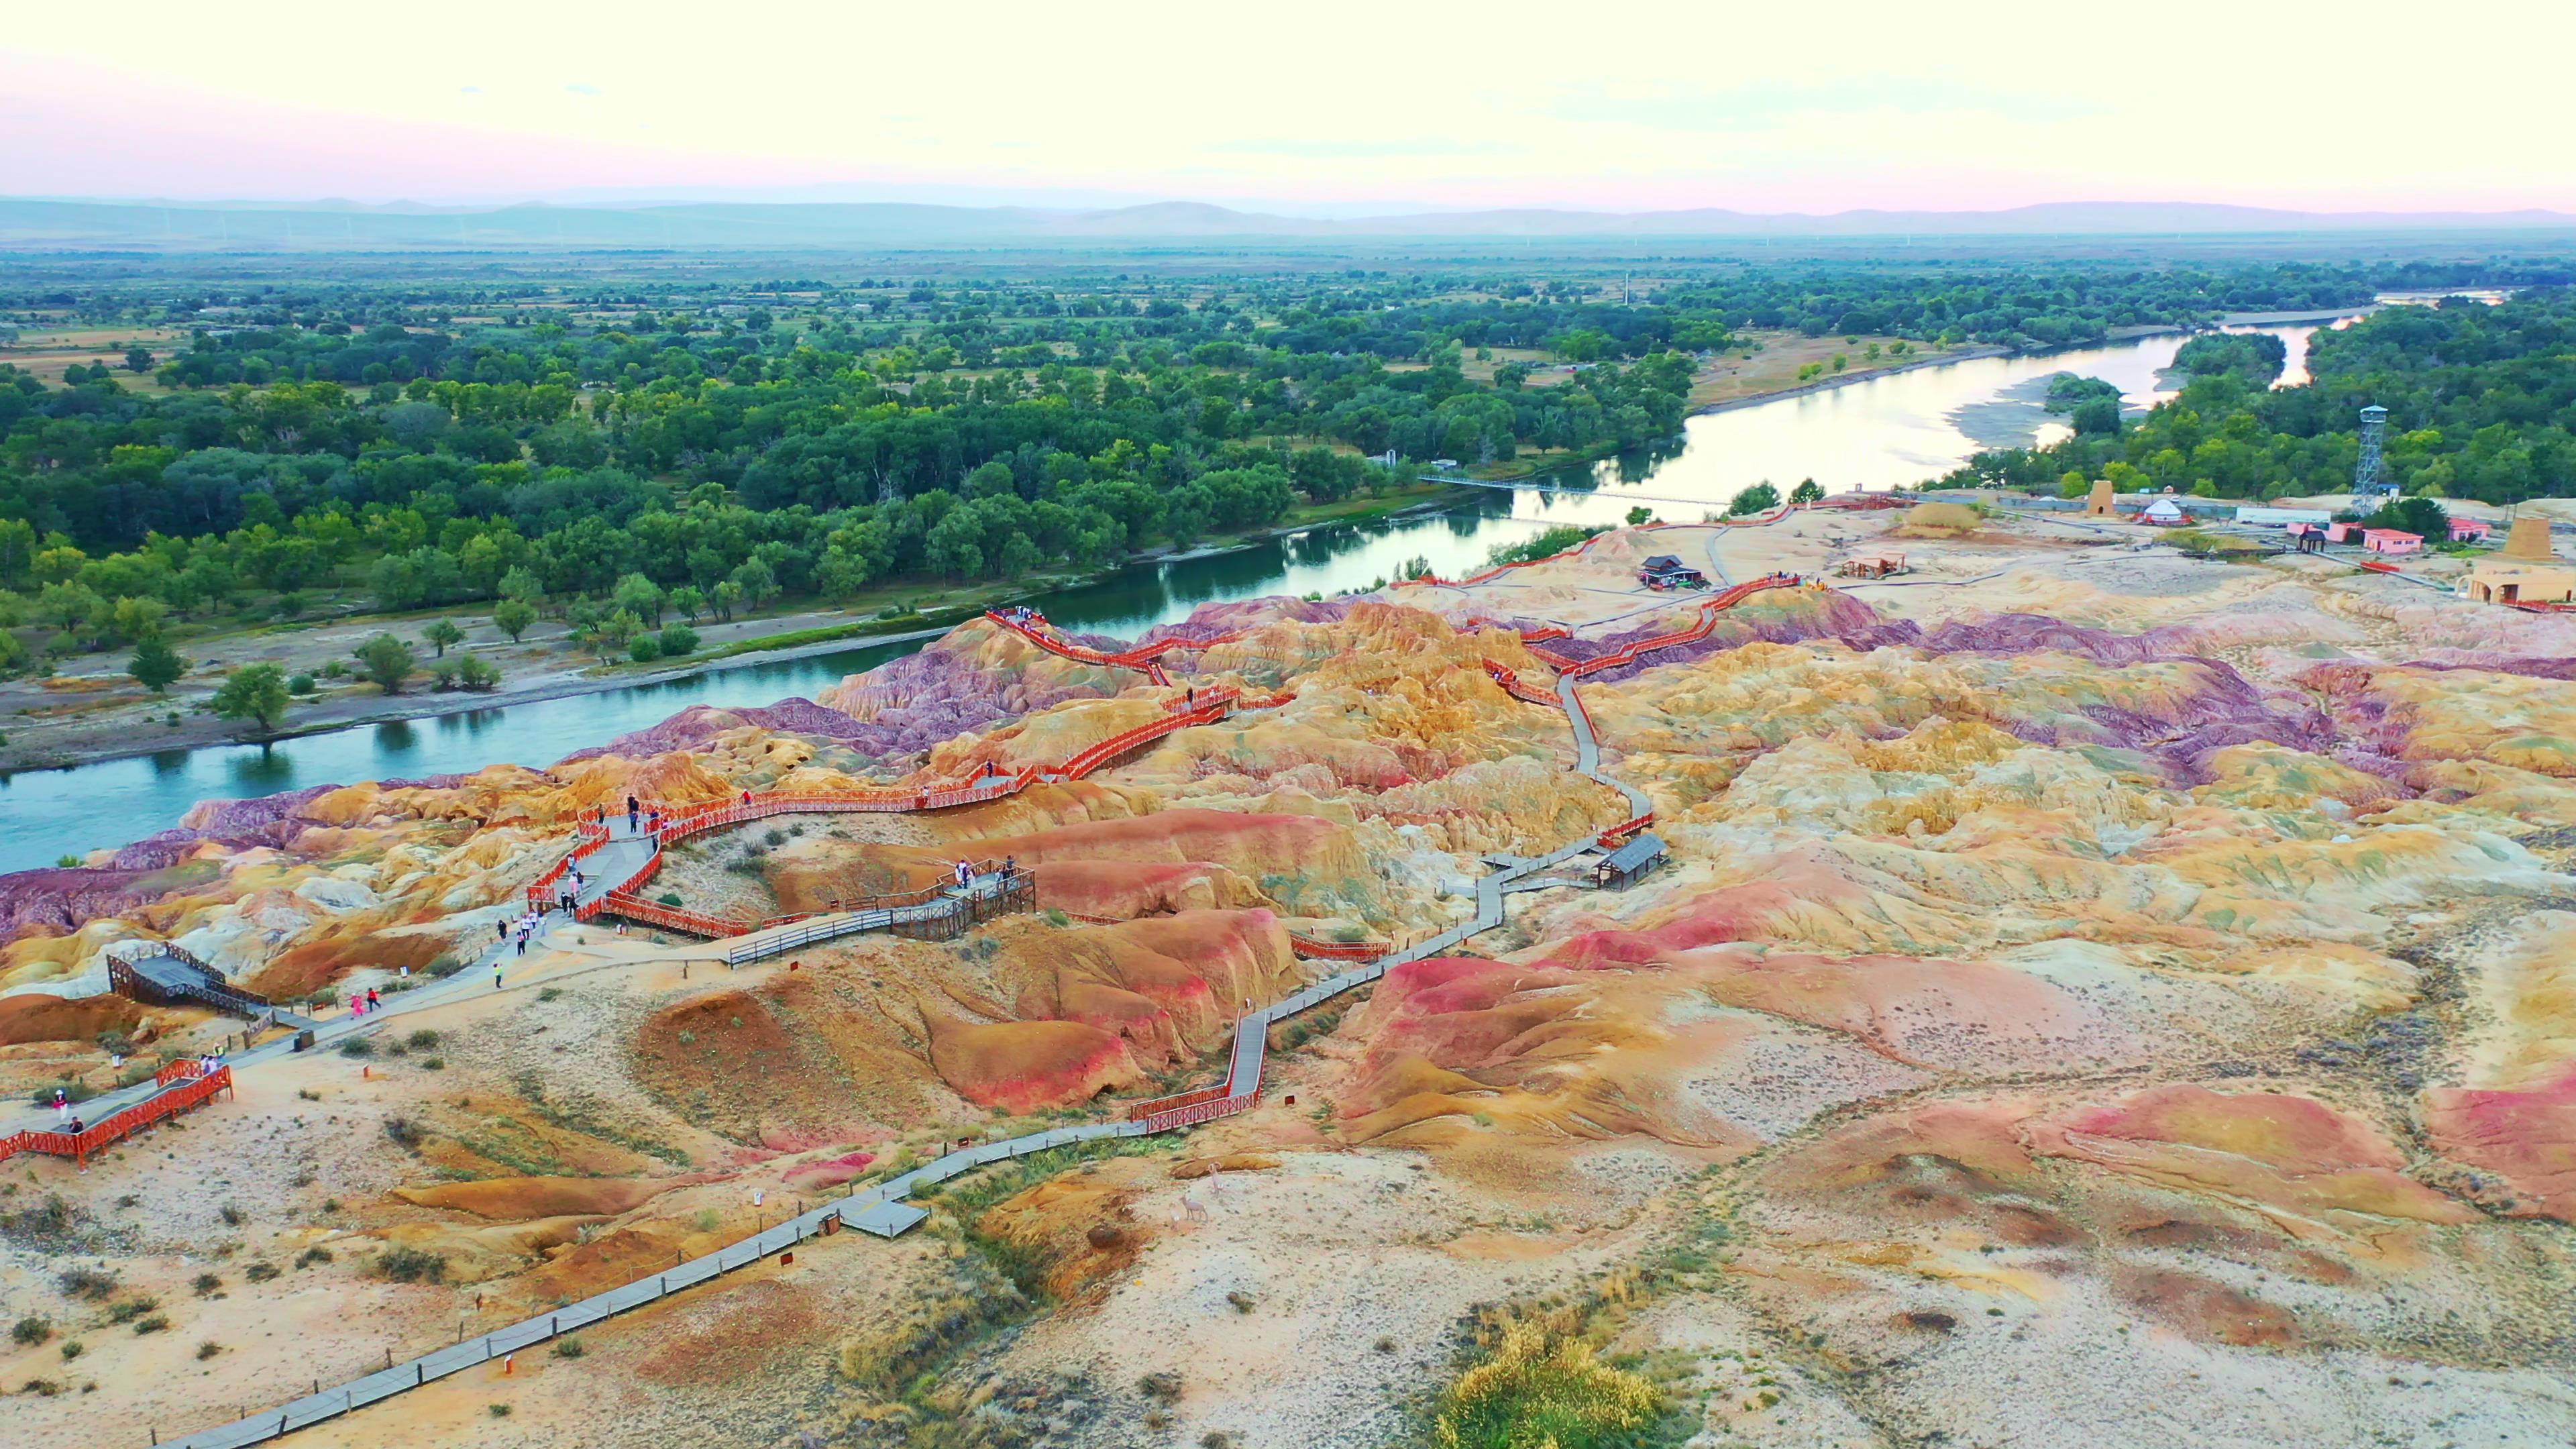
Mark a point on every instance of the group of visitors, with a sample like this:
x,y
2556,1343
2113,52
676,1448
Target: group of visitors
x,y
363,1002
1024,616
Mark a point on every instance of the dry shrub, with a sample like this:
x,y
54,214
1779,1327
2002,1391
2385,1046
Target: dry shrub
x,y
1539,1384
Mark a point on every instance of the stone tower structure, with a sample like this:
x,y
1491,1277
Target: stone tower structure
x,y
2530,539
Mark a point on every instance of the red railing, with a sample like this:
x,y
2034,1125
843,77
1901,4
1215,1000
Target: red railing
x,y
1145,657
1205,1111
1510,680
1139,1111
1700,629
594,837
195,1088
1626,828
2377,566
670,918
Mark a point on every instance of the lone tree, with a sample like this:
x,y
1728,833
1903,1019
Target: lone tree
x,y
442,633
1807,492
1760,498
512,617
254,692
386,662
156,666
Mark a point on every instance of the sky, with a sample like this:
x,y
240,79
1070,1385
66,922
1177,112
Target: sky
x,y
1322,106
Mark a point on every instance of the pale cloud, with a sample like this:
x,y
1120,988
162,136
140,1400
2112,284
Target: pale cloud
x,y
1621,103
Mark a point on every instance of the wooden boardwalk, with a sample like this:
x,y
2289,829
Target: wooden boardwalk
x,y
881,1209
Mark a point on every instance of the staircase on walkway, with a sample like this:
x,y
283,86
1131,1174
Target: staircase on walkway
x,y
881,1209
167,975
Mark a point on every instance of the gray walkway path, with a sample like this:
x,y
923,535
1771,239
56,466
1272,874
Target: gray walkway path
x,y
622,857
881,1208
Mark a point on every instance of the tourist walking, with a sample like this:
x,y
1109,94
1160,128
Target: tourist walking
x,y
62,1106
375,999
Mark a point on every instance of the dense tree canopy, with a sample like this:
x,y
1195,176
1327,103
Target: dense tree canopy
x,y
2481,404
697,449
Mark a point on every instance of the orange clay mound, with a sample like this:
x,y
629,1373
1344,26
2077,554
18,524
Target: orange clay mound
x,y
318,960
1125,889
742,1333
2293,1159
1077,1226
754,1066
39,1017
516,1199
1029,1066
1550,1054
1791,894
2206,1310
813,877
1250,845
2527,1137
1172,986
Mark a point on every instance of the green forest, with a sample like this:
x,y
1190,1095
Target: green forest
x,y
579,446
2481,405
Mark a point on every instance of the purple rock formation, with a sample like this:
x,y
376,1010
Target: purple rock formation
x,y
58,900
1209,620
2227,710
693,727
2543,668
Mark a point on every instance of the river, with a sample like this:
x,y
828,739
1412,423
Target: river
x,y
1882,432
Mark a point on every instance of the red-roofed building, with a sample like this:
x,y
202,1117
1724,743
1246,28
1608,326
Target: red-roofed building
x,y
2470,530
2391,540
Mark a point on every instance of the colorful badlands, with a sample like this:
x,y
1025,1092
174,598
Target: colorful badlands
x,y
2123,1002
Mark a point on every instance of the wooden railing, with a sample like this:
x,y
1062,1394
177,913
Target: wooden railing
x,y
192,1089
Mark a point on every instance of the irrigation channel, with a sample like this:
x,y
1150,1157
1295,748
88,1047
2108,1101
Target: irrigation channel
x,y
1874,433
882,1209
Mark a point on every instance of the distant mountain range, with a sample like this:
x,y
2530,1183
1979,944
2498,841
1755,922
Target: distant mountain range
x,y
53,225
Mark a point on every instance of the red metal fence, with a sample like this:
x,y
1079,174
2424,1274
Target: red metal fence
x,y
1699,629
193,1088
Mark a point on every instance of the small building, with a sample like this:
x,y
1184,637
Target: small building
x,y
2494,580
2258,517
1629,864
1876,564
1664,571
2163,513
2391,540
2101,502
2470,530
2340,532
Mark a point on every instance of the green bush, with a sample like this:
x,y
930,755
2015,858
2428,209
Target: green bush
x,y
31,1331
644,648
411,1265
678,640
